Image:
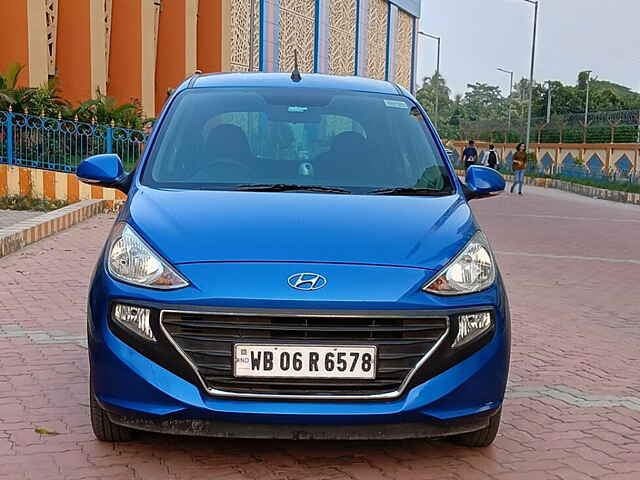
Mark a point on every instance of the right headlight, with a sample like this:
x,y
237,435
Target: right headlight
x,y
131,260
473,270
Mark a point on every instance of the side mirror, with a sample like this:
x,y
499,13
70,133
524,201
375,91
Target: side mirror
x,y
104,170
482,182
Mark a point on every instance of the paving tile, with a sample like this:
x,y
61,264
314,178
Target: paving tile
x,y
572,413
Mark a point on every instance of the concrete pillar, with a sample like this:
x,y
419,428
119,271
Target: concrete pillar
x,y
210,36
177,40
15,40
191,36
132,54
38,53
23,37
125,52
80,59
98,35
149,24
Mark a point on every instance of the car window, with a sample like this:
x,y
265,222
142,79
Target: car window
x,y
222,138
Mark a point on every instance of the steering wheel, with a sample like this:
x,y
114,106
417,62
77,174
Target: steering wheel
x,y
228,165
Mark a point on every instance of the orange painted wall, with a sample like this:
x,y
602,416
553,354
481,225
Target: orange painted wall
x,y
73,56
170,63
124,79
210,36
14,38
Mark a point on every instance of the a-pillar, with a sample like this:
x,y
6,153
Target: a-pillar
x,y
81,49
23,40
177,44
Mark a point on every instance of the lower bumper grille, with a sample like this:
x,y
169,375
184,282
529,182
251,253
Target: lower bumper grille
x,y
207,341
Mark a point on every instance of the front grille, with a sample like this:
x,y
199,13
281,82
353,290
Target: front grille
x,y
207,341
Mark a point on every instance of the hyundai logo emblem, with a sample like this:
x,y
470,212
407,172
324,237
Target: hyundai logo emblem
x,y
307,281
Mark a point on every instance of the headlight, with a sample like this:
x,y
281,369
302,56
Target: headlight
x,y
131,260
473,270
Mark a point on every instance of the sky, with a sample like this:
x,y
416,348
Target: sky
x,y
478,36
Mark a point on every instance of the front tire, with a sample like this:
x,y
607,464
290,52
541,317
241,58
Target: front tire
x,y
481,438
103,428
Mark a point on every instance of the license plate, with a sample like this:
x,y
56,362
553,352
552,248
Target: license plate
x,y
296,361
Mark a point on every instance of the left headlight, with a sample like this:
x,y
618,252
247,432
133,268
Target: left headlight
x,y
131,260
473,270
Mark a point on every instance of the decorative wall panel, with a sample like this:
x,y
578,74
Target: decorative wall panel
x,y
51,12
342,28
377,57
242,46
404,50
297,32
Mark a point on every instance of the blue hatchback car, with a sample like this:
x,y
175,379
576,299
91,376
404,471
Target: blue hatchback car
x,y
296,259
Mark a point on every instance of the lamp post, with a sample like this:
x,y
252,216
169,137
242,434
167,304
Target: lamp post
x,y
548,101
510,73
434,37
536,4
586,103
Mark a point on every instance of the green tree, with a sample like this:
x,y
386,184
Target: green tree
x,y
483,102
482,111
435,87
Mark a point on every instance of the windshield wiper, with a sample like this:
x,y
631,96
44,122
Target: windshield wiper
x,y
418,192
286,187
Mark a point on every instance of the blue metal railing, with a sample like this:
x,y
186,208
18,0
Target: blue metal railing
x,y
60,145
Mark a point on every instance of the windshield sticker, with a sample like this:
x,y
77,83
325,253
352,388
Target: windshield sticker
x,y
294,109
396,104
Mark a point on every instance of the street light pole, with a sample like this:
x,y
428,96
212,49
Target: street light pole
x,y
434,37
549,102
536,3
510,73
586,103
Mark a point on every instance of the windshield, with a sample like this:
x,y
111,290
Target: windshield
x,y
340,141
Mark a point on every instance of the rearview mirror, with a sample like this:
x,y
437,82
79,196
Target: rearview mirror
x,y
481,182
104,170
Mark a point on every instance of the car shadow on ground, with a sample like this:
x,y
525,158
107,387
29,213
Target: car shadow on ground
x,y
303,448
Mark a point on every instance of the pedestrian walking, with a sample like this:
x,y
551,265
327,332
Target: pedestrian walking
x,y
491,158
470,155
519,166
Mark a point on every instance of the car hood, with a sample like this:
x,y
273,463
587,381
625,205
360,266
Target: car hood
x,y
222,226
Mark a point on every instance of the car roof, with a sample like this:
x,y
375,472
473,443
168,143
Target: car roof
x,y
282,80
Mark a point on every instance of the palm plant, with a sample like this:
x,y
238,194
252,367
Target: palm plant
x,y
46,99
8,82
104,109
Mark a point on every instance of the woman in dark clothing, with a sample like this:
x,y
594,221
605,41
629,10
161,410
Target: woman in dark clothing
x,y
519,166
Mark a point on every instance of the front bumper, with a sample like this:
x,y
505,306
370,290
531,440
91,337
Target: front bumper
x,y
138,392
387,431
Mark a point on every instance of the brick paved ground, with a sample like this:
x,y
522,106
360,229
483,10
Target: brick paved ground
x,y
573,413
11,217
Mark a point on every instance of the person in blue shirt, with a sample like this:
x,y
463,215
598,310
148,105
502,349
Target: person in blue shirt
x,y
470,155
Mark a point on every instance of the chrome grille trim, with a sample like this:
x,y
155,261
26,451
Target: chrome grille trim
x,y
314,314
